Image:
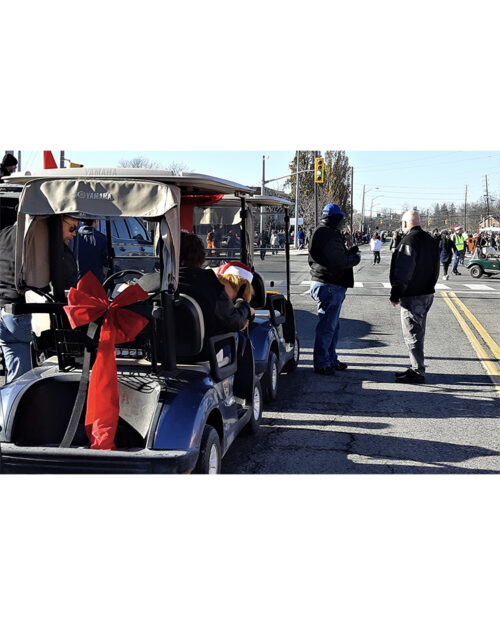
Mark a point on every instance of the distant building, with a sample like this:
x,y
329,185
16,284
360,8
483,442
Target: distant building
x,y
489,222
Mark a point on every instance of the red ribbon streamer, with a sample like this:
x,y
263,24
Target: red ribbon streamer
x,y
87,303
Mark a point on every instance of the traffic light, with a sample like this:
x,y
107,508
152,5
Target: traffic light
x,y
319,170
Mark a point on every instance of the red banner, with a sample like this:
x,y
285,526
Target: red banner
x,y
89,302
48,160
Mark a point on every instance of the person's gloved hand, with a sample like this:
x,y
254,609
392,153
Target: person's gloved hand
x,y
356,258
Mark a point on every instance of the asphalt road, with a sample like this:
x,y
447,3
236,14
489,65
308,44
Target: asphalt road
x,y
360,420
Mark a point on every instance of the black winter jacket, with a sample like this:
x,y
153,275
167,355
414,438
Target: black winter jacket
x,y
329,258
219,312
414,265
8,292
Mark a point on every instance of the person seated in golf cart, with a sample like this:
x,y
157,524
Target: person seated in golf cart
x,y
237,280
220,314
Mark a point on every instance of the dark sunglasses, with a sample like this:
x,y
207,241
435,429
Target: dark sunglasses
x,y
72,228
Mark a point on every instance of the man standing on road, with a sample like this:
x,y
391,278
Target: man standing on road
x,y
331,275
459,249
413,275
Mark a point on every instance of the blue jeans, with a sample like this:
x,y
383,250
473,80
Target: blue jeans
x,y
15,341
329,298
456,257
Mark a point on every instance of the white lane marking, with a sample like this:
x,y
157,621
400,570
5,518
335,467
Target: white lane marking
x,y
442,286
386,285
358,284
479,287
305,282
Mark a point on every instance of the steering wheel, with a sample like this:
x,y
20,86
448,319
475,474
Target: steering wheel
x,y
119,274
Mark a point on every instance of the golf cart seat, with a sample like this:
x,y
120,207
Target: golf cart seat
x,y
259,298
189,328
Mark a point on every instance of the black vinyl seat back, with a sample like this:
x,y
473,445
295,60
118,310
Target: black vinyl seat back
x,y
259,298
189,328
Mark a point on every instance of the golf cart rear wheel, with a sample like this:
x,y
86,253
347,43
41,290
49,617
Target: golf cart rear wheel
x,y
253,426
476,271
270,378
292,364
209,459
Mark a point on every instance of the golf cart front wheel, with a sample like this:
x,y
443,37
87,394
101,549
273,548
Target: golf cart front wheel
x,y
270,378
253,426
476,271
209,459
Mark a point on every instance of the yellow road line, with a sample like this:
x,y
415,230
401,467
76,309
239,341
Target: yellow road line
x,y
495,349
491,368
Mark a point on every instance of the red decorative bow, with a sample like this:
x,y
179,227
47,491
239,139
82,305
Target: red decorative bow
x,y
87,303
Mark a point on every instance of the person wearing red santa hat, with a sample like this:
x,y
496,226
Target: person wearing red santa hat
x,y
237,280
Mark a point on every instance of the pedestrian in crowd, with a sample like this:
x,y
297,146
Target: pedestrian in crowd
x,y
376,246
395,240
211,241
445,252
275,242
331,266
8,165
263,243
301,238
233,244
15,330
458,248
413,276
91,249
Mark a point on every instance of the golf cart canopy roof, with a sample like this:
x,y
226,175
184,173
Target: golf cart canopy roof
x,y
256,200
190,183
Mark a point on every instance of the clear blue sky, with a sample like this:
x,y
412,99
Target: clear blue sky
x,y
403,178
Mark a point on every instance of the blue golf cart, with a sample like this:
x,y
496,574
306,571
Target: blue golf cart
x,y
175,414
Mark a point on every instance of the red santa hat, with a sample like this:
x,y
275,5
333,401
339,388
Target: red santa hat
x,y
236,268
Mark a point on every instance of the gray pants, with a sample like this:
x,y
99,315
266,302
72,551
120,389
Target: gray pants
x,y
414,311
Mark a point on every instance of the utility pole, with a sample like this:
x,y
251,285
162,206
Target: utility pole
x,y
487,196
465,210
263,190
363,212
61,161
297,188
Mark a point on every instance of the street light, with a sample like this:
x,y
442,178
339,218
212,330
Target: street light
x,y
371,205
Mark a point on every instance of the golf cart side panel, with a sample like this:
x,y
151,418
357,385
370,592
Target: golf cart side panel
x,y
185,412
262,335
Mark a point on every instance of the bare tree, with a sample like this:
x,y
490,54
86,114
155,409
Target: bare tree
x,y
139,162
142,162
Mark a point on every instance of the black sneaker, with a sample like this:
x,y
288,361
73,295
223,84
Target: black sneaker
x,y
401,374
340,366
324,370
457,273
411,377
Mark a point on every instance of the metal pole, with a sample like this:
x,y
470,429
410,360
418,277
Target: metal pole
x,y
263,190
465,210
19,160
352,201
297,190
287,252
363,212
61,161
315,204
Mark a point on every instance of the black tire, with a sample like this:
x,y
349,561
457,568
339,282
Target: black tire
x,y
253,426
476,271
270,378
292,364
209,459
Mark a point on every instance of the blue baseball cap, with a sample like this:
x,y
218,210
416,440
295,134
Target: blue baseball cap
x,y
332,209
